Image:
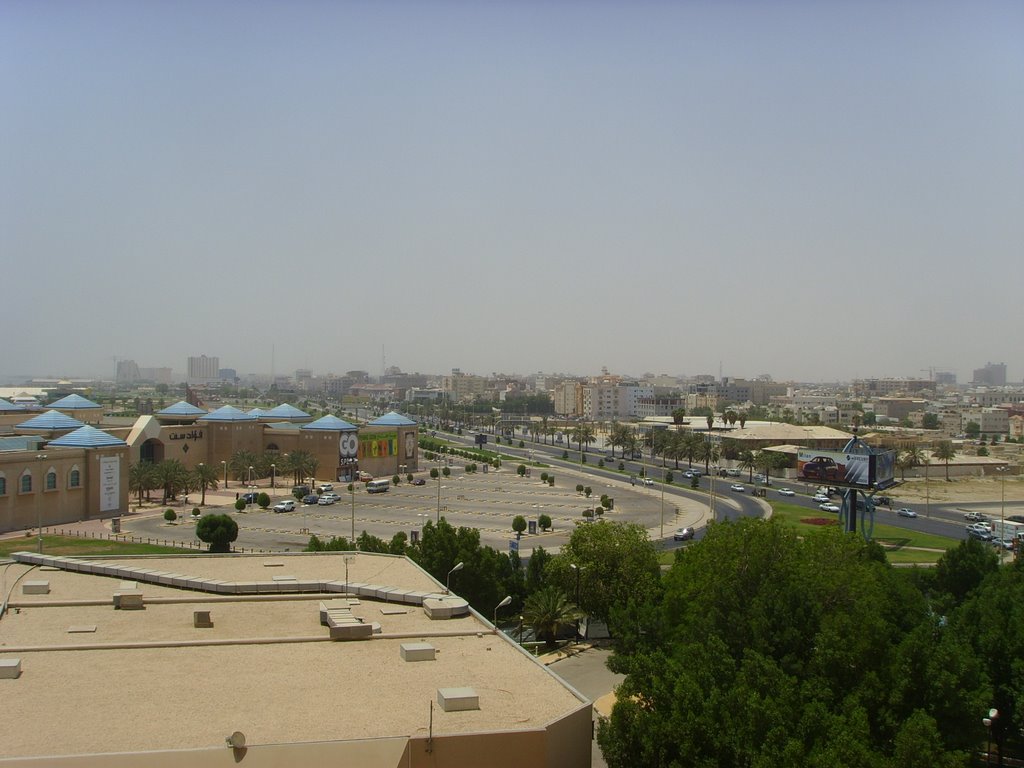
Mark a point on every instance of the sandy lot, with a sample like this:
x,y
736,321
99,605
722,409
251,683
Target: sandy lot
x,y
959,490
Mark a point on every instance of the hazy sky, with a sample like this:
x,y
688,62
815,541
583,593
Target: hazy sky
x,y
814,190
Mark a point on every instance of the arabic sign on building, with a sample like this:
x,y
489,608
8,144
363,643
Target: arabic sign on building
x,y
192,434
377,445
110,484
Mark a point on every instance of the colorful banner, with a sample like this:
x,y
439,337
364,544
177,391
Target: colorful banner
x,y
378,445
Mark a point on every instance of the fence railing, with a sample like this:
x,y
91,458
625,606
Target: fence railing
x,y
129,539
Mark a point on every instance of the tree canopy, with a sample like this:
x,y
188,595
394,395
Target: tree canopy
x,y
766,649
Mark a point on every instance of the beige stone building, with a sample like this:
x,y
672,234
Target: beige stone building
x,y
54,468
306,659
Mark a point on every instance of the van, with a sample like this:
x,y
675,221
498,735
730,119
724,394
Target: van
x,y
300,490
378,486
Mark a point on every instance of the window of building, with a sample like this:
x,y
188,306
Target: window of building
x,y
74,479
3,485
26,483
51,480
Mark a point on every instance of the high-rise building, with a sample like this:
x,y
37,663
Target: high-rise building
x,y
203,370
992,375
127,372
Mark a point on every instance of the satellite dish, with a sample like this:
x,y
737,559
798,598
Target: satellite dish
x,y
236,740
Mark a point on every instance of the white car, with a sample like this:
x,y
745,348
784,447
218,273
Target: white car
x,y
821,498
786,492
737,487
648,481
285,506
828,507
906,512
327,499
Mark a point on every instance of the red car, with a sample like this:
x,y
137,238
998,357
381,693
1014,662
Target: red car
x,y
823,468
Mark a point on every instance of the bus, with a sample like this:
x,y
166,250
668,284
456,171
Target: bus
x,y
378,486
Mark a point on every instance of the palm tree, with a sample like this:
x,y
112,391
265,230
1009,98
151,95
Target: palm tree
x,y
711,421
748,462
240,462
743,419
583,434
206,476
944,451
691,447
173,477
708,453
910,458
548,610
142,478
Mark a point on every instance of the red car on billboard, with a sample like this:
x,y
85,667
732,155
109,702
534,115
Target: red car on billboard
x,y
823,468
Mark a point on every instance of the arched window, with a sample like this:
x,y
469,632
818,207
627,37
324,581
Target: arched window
x,y
51,480
26,483
74,478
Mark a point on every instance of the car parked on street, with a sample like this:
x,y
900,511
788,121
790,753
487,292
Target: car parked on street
x,y
787,492
310,498
683,534
285,506
906,512
251,497
328,499
979,531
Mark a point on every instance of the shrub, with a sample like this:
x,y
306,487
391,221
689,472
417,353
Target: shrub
x,y
565,454
170,516
583,459
196,512
622,466
408,477
551,480
446,472
396,480
240,505
579,487
600,463
519,524
263,500
521,445
544,522
218,531
694,482
588,513
588,491
668,478
543,477
433,474
605,501
521,470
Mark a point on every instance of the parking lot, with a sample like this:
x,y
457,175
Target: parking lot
x,y
487,502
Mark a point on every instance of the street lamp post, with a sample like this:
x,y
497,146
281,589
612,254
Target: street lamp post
x,y
502,604
711,498
273,476
225,464
439,459
352,493
458,567
664,474
251,487
39,508
993,716
577,570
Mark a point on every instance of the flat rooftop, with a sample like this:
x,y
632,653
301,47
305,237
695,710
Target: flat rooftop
x,y
95,679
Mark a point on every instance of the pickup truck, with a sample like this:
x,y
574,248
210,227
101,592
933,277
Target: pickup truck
x,y
976,516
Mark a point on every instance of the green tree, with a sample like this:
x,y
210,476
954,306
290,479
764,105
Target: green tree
x,y
945,452
547,611
583,434
908,459
617,563
930,421
678,416
708,453
544,522
205,477
142,478
536,576
218,531
240,462
519,524
963,568
972,429
748,461
173,478
170,515
769,649
263,500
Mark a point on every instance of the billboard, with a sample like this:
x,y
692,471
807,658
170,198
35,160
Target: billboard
x,y
348,445
378,445
861,470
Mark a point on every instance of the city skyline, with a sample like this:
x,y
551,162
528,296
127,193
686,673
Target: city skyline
x,y
819,192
